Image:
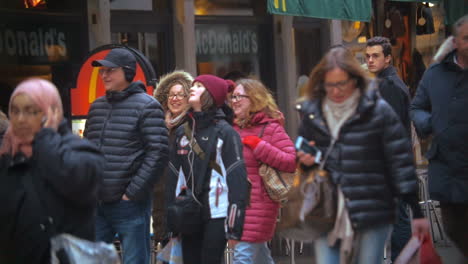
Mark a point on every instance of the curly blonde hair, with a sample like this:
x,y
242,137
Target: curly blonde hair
x,y
261,100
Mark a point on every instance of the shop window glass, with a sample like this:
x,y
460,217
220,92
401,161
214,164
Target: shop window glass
x,y
224,49
230,7
158,6
150,44
48,5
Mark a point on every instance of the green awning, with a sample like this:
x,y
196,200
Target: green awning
x,y
355,10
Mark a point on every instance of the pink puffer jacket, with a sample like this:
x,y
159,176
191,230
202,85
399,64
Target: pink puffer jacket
x,y
277,150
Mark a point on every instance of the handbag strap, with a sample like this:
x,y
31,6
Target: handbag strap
x,y
327,154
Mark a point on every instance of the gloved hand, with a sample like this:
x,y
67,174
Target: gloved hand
x,y
251,141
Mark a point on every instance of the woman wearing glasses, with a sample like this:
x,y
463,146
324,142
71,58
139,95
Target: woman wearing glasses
x,y
49,177
206,164
371,162
172,93
260,125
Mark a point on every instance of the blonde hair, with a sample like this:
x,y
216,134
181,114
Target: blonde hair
x,y
261,100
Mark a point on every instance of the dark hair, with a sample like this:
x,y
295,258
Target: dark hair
x,y
207,101
338,57
460,22
382,41
129,74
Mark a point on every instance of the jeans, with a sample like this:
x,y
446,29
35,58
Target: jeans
x,y
130,220
371,247
252,253
401,231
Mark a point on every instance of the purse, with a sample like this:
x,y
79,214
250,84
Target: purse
x,y
311,208
277,183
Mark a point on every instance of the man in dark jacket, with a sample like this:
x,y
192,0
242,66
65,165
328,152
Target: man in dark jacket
x,y
128,127
440,109
394,91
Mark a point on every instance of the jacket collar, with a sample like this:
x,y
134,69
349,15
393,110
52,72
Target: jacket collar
x,y
389,71
450,62
133,88
206,118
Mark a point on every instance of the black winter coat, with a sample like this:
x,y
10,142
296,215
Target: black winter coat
x,y
394,91
65,171
232,164
440,109
372,160
128,127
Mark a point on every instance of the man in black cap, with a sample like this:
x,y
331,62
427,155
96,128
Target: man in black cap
x,y
128,126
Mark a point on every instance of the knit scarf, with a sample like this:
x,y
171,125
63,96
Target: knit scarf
x,y
336,115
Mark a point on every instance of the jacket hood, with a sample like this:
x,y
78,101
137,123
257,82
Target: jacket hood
x,y
133,88
262,118
167,81
444,50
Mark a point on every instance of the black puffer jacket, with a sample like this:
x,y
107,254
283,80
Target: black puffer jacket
x,y
128,127
231,163
65,172
372,160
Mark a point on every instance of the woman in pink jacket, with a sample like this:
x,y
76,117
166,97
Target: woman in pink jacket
x,y
255,110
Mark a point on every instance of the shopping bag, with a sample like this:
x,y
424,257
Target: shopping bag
x,y
81,251
428,252
410,253
171,253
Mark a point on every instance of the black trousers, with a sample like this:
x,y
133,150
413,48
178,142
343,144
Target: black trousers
x,y
206,246
455,221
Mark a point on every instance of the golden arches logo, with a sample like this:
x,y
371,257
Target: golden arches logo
x,y
283,5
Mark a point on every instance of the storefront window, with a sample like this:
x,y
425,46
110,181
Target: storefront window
x,y
223,49
49,5
158,6
230,7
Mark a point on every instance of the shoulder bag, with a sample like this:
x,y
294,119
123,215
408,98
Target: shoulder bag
x,y
315,191
277,183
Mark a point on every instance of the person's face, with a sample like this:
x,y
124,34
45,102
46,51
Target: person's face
x,y
461,41
240,102
113,78
375,59
195,94
25,117
338,85
177,100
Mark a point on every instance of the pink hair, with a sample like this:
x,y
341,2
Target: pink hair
x,y
45,95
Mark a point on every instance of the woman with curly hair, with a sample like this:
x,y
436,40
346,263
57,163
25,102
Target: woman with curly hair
x,y
172,93
260,125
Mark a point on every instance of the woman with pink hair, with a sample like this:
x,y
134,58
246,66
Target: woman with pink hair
x,y
49,177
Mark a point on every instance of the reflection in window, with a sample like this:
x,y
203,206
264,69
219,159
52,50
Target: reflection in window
x,y
35,3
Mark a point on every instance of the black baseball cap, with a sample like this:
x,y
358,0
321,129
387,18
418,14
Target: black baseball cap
x,y
118,57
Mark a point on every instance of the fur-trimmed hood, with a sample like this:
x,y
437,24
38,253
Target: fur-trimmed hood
x,y
167,81
445,49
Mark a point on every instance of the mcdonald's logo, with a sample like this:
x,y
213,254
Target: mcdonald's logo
x,y
277,5
89,86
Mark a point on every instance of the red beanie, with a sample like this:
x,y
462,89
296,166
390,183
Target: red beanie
x,y
217,87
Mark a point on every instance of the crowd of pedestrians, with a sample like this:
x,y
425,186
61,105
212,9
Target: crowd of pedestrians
x,y
190,156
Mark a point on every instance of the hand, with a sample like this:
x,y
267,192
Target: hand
x,y
251,141
420,228
125,198
232,243
306,158
52,118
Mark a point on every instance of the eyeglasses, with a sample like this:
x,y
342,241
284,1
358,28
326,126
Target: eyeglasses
x,y
238,97
28,113
107,70
179,96
341,86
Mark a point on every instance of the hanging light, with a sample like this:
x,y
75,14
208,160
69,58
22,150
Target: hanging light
x,y
34,3
430,4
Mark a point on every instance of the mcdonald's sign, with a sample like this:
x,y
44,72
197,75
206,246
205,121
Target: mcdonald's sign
x,y
89,86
